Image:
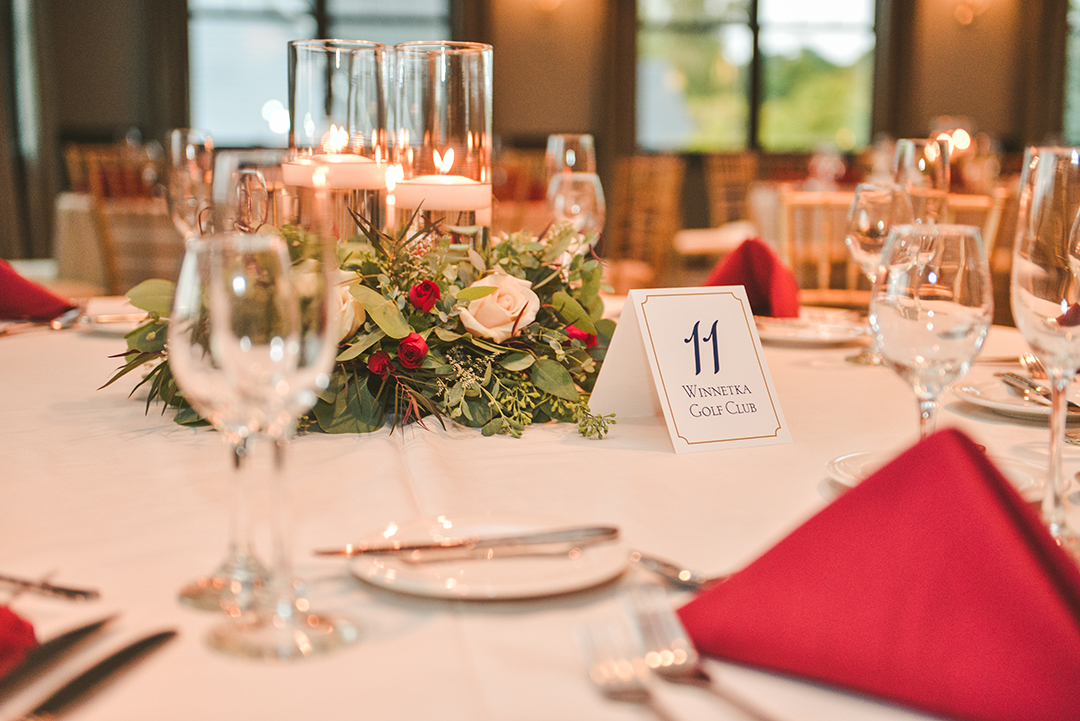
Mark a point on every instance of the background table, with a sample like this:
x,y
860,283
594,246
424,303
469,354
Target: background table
x,y
101,494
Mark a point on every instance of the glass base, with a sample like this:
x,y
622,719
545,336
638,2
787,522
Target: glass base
x,y
865,357
283,638
233,587
1067,539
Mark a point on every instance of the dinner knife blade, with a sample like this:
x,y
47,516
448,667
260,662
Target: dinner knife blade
x,y
1026,384
45,656
583,535
93,679
51,589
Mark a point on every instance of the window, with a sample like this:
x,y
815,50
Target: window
x,y
697,60
239,64
1072,76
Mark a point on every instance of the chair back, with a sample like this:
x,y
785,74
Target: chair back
x,y
812,227
644,213
135,235
728,178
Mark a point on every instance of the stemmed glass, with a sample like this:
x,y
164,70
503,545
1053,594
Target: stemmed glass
x,y
874,209
191,167
931,307
921,167
271,331
574,192
234,585
1045,290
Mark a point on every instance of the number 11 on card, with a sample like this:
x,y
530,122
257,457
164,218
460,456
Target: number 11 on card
x,y
697,341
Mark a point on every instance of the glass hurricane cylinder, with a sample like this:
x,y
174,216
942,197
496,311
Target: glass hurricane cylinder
x,y
338,114
442,144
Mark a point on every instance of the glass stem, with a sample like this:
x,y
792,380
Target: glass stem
x,y
927,416
1053,511
282,581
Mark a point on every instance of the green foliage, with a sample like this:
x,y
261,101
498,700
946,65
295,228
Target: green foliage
x,y
535,375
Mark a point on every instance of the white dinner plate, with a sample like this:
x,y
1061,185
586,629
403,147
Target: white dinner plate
x,y
814,327
851,469
994,395
110,315
508,577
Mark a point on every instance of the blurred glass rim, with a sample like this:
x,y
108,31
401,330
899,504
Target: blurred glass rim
x,y
313,45
443,47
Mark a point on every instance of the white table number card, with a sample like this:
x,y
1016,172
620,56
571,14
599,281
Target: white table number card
x,y
694,354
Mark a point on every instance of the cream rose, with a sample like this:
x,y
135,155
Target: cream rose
x,y
501,314
347,313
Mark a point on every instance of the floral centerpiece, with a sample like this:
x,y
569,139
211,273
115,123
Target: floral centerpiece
x,y
495,340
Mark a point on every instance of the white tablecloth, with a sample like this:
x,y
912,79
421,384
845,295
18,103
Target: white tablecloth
x,y
98,493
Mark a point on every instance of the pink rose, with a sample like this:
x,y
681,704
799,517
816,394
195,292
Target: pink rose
x,y
424,295
505,312
575,333
380,363
412,350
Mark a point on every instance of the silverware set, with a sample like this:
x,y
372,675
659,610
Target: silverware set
x,y
42,659
622,657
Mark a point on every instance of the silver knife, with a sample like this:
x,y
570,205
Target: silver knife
x,y
1026,384
581,535
50,589
47,655
80,688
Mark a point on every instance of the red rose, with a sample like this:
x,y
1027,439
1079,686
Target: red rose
x,y
379,363
576,333
412,350
424,294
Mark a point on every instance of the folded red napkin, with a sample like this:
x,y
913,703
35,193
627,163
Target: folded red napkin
x,y
16,638
770,286
931,584
22,299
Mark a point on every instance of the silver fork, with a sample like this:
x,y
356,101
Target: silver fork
x,y
670,654
615,668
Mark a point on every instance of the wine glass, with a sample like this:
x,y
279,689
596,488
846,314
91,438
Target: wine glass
x,y
931,307
234,585
1045,290
574,193
921,167
874,209
271,331
191,167
248,188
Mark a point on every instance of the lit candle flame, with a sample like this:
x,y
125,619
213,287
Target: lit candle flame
x,y
335,140
394,175
445,162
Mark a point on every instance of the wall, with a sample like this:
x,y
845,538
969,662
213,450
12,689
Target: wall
x,y
972,70
548,67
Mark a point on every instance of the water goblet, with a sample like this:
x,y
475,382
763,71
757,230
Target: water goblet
x,y
1045,292
874,209
574,193
234,585
921,168
271,329
191,167
931,308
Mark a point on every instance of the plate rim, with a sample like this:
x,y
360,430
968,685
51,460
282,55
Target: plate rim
x,y
608,571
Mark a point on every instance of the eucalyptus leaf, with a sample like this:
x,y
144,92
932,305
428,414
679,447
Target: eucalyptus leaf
x,y
476,292
149,337
153,296
572,312
384,312
517,361
447,336
354,410
550,376
362,344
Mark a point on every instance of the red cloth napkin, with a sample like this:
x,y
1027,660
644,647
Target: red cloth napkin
x,y
16,638
931,584
21,299
770,286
